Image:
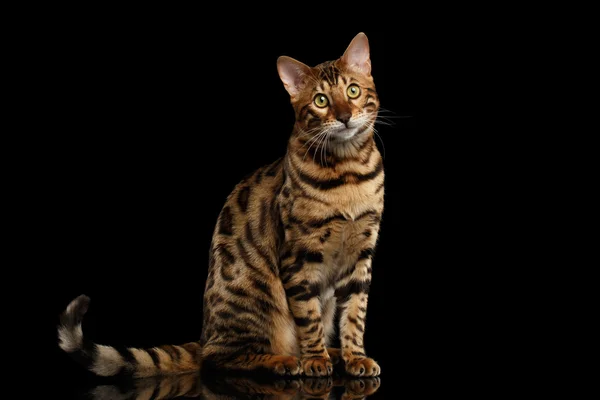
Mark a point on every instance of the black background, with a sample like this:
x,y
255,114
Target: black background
x,y
146,135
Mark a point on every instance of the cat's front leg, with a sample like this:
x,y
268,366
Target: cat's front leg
x,y
352,296
302,291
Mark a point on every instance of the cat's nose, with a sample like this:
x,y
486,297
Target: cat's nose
x,y
344,118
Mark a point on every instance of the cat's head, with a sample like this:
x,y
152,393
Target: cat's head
x,y
337,98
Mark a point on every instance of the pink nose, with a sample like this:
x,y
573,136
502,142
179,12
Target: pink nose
x,y
344,118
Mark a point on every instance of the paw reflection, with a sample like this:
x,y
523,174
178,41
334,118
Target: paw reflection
x,y
360,388
232,388
316,387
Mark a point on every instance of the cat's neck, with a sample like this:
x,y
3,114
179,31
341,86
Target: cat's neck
x,y
331,152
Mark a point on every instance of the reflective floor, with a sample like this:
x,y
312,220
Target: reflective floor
x,y
230,388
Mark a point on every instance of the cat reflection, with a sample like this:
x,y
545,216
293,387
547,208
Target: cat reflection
x,y
234,388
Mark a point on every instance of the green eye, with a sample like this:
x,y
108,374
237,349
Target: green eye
x,y
321,100
353,91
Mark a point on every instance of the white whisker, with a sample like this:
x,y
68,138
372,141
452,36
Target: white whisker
x,y
322,142
321,153
384,111
383,122
314,140
326,144
323,145
308,132
380,138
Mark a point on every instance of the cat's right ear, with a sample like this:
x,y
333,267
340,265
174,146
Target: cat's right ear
x,y
293,74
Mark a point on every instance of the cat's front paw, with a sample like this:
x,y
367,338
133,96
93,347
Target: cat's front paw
x,y
317,367
362,367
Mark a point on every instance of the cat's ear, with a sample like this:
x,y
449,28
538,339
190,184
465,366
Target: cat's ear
x,y
357,54
293,74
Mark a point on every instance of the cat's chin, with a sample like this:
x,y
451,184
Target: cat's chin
x,y
344,136
348,135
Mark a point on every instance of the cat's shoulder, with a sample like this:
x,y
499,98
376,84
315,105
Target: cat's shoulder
x,y
266,178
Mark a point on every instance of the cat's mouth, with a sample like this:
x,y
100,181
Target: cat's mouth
x,y
344,133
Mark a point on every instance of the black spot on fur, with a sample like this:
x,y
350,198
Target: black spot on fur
x,y
272,171
155,358
353,287
210,281
126,354
313,329
262,286
258,176
172,352
325,236
226,222
242,199
311,292
366,254
225,314
294,290
302,321
314,257
264,213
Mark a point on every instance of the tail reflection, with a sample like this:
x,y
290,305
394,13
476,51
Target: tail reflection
x,y
234,388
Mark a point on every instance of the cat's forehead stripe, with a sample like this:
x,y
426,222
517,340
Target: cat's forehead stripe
x,y
329,73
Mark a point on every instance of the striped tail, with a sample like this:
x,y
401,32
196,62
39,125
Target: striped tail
x,y
110,361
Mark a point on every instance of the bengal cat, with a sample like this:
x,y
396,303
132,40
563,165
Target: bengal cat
x,y
292,245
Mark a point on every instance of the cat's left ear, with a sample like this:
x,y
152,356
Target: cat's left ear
x,y
357,54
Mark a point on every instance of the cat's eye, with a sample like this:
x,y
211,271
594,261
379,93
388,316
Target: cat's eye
x,y
321,100
353,91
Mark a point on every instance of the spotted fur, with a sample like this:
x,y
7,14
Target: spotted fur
x,y
292,246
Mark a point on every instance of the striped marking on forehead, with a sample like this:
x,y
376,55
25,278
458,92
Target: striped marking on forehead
x,y
329,73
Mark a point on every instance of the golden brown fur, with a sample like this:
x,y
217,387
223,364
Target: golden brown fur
x,y
294,241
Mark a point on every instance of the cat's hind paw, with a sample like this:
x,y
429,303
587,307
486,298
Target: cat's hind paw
x,y
285,365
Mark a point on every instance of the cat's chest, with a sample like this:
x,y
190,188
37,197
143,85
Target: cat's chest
x,y
340,231
348,205
343,240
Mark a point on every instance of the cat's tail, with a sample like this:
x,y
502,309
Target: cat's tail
x,y
110,361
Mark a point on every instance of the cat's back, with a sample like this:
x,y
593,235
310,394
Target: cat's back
x,y
250,213
243,291
253,197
